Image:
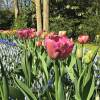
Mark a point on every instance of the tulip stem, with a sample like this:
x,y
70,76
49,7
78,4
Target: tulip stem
x,y
61,68
56,79
82,50
82,55
97,96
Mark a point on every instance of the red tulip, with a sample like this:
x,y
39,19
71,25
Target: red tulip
x,y
32,36
58,47
39,43
26,33
83,39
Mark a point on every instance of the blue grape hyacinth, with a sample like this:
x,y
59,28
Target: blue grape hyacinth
x,y
7,42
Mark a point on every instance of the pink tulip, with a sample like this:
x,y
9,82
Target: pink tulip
x,y
26,33
83,39
39,33
1,30
33,29
49,34
58,47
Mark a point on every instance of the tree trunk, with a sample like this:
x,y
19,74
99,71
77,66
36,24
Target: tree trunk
x,y
16,9
46,15
38,15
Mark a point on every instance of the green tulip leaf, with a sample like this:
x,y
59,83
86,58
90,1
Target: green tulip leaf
x,y
44,64
25,90
15,93
4,85
60,90
70,68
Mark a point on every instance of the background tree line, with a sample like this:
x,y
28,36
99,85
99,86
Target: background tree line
x,y
74,16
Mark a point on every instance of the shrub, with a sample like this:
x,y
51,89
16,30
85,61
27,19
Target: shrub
x,y
6,19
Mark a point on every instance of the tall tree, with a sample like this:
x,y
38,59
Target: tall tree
x,y
1,4
38,15
5,4
46,15
16,8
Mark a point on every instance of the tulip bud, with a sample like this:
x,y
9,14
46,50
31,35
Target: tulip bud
x,y
33,29
52,33
62,33
43,43
44,34
39,33
79,53
97,38
90,53
83,39
39,43
88,57
97,97
32,36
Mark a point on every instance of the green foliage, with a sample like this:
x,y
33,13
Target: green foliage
x,y
44,65
75,17
61,23
25,90
26,17
6,19
4,90
36,64
90,25
82,76
60,90
33,80
21,22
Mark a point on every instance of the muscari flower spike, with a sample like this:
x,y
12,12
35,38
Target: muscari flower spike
x,y
5,41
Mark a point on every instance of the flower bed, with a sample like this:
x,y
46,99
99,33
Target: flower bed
x,y
39,65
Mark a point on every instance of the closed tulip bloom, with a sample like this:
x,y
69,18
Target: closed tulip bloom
x,y
62,33
38,33
79,53
33,29
32,36
83,39
26,33
97,38
58,47
39,43
1,30
46,34
88,57
52,33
